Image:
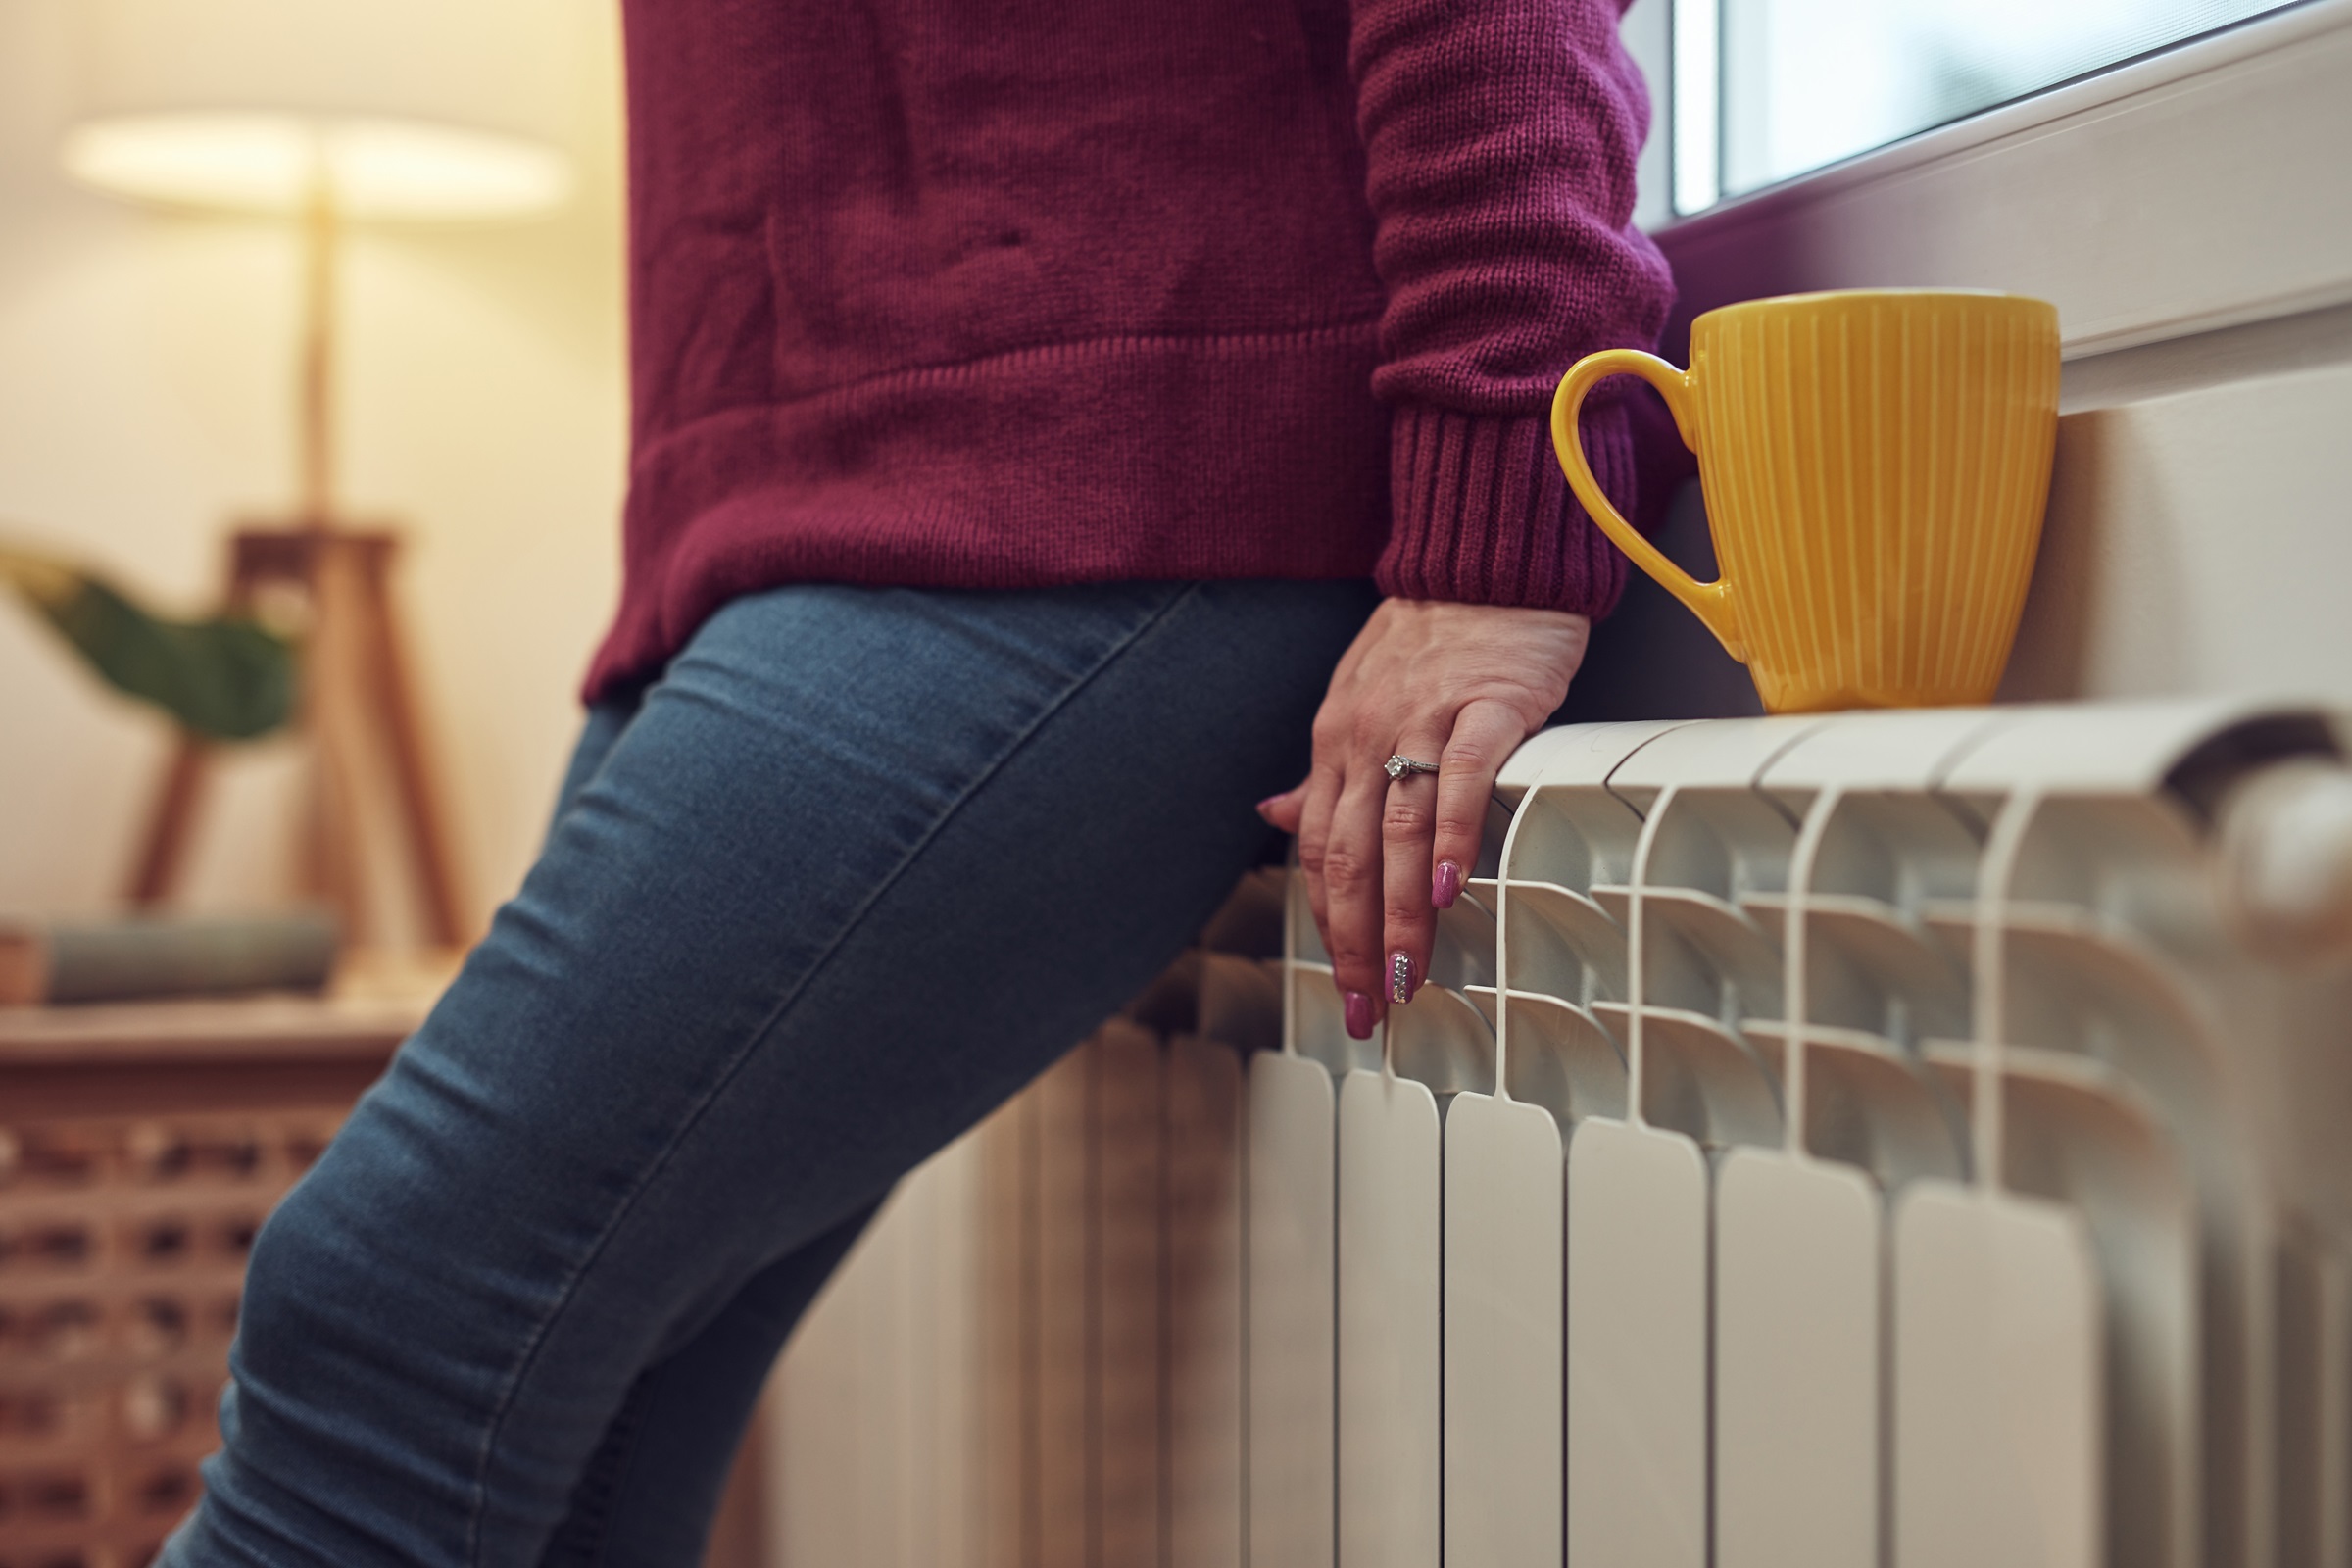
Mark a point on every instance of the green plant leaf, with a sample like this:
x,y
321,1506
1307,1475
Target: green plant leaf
x,y
228,678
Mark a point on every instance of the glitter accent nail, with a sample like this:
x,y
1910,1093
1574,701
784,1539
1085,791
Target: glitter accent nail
x,y
1401,977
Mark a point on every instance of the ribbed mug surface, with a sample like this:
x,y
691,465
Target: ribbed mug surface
x,y
1875,466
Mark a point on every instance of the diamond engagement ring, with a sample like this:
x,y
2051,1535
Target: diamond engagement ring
x,y
1398,767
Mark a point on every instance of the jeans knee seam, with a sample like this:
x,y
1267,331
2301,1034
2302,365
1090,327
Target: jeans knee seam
x,y
734,1065
600,1535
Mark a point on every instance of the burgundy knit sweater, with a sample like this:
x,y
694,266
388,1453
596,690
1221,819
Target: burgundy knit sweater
x,y
1007,293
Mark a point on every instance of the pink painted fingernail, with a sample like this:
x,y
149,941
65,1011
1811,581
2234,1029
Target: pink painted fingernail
x,y
1359,1014
1445,886
1402,982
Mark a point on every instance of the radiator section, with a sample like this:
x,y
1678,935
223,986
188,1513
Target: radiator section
x,y
1897,1138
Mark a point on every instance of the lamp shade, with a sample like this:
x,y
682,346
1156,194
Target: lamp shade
x,y
370,168
420,110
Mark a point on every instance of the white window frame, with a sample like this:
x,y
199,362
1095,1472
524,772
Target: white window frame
x,y
2203,187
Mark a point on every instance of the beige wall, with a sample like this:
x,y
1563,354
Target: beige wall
x,y
2197,536
145,378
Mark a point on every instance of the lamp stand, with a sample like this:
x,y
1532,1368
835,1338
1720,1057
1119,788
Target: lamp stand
x,y
358,708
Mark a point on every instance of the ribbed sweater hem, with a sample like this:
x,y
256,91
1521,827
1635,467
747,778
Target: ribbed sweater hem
x,y
1130,457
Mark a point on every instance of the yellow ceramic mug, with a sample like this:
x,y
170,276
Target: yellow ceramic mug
x,y
1875,466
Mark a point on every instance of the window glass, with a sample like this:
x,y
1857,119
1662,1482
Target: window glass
x,y
1799,84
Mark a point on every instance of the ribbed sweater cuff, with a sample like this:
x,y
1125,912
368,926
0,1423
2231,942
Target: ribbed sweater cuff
x,y
1482,515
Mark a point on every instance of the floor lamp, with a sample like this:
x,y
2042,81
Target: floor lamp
x,y
323,174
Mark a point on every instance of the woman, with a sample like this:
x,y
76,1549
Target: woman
x,y
1024,393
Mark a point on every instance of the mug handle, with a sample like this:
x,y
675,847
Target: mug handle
x,y
1710,602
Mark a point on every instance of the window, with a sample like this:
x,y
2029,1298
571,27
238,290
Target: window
x,y
1768,90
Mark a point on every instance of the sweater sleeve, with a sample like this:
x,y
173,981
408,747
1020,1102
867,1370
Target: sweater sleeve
x,y
1500,138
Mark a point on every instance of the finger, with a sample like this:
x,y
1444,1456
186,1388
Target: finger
x,y
1408,921
1485,734
1352,884
1314,828
1285,809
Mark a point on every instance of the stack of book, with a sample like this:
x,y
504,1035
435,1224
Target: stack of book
x,y
131,957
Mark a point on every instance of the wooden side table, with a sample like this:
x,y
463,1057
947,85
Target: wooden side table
x,y
141,1145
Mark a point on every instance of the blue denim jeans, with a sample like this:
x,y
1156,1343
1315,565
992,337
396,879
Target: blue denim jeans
x,y
856,867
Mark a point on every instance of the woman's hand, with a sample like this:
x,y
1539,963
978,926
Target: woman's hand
x,y
1459,685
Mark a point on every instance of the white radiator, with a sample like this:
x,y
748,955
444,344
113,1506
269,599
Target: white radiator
x,y
1910,1139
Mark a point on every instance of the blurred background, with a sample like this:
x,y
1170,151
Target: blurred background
x,y
348,365
147,395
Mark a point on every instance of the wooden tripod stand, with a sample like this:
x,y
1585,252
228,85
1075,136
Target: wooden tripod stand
x,y
357,705
360,710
